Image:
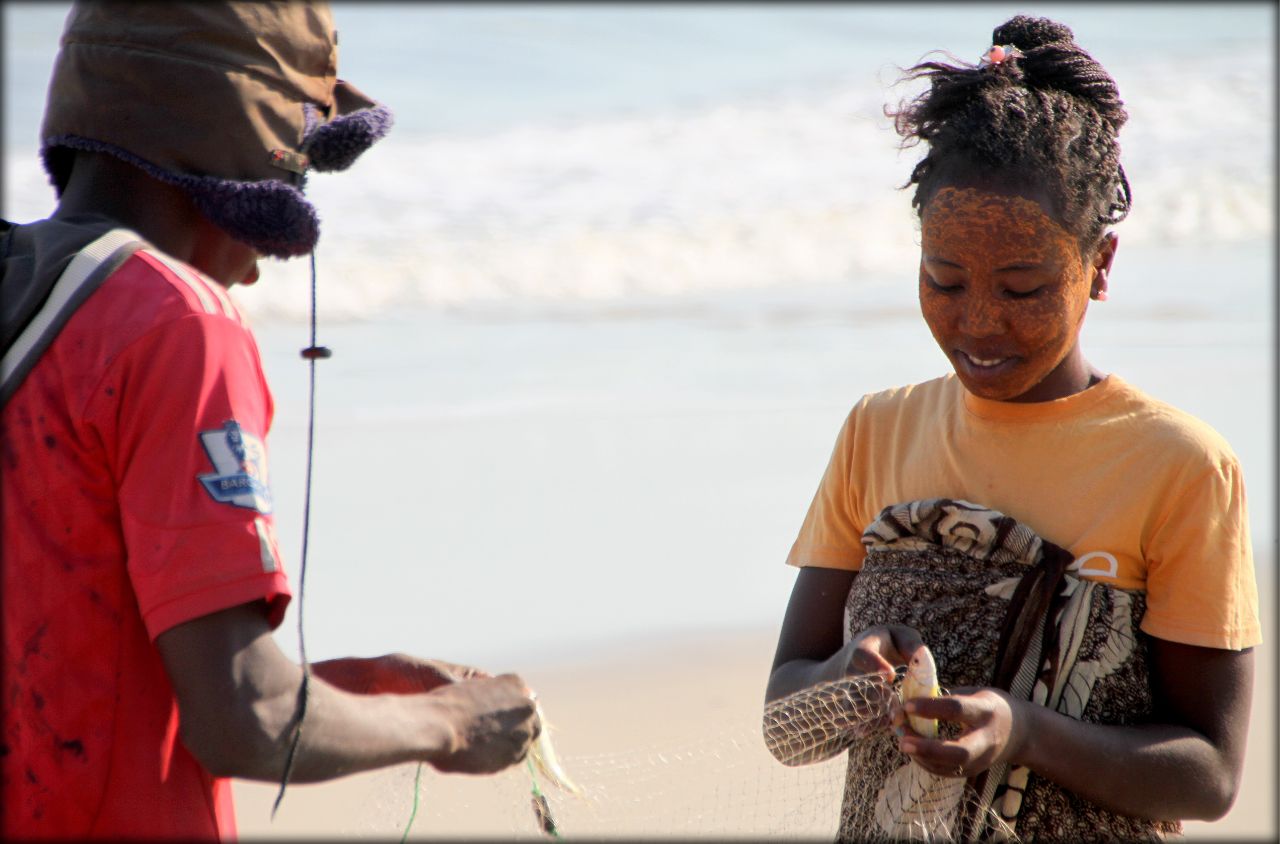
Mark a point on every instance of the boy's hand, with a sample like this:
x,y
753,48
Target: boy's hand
x,y
493,722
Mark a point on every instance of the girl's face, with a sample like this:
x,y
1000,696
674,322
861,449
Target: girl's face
x,y
1004,290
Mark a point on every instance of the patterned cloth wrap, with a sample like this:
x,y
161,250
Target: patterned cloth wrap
x,y
949,568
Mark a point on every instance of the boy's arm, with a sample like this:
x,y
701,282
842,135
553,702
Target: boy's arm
x,y
237,697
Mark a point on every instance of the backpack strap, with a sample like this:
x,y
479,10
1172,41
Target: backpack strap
x,y
84,274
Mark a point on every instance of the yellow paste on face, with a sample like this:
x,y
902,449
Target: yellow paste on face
x,y
1002,283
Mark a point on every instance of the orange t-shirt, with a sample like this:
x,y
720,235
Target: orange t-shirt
x,y
1144,495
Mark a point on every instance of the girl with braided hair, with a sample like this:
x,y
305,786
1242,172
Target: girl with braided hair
x,y
1074,553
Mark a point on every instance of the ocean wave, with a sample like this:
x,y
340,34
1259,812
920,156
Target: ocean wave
x,y
774,190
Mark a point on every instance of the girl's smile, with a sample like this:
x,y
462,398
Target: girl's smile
x,y
1004,289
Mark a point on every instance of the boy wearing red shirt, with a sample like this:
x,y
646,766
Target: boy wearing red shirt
x,y
141,573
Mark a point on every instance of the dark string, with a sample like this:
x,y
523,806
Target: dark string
x,y
311,354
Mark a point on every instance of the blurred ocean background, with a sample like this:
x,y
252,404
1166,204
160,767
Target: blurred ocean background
x,y
601,300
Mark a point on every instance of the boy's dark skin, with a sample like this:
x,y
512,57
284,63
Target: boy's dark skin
x,y
236,690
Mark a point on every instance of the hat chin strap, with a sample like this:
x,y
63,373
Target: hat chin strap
x,y
311,354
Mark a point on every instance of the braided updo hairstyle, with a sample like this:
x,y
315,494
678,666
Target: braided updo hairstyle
x,y
1045,120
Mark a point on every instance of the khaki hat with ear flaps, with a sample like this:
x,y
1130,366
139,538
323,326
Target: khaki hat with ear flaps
x,y
232,101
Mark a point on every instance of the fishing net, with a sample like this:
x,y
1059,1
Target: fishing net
x,y
722,784
826,765
782,779
889,796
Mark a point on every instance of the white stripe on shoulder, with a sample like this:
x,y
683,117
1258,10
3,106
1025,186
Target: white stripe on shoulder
x,y
229,309
228,305
207,300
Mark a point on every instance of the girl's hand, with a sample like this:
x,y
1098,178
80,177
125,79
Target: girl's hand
x,y
876,650
994,728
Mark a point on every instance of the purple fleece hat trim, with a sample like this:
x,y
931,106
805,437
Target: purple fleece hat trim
x,y
335,145
271,216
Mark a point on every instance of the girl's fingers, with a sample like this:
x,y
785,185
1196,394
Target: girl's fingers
x,y
906,641
983,739
968,710
944,758
868,658
878,649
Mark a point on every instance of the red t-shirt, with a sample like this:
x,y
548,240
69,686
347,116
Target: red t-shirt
x,y
135,497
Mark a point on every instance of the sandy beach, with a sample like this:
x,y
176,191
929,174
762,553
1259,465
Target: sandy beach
x,y
618,512
599,305
663,737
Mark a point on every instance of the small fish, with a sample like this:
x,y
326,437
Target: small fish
x,y
921,680
544,757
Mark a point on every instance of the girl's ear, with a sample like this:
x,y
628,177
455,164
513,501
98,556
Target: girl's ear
x,y
1102,258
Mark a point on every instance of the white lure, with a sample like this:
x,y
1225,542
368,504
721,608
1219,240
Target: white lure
x,y
544,758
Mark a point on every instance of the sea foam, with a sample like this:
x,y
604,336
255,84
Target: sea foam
x,y
796,186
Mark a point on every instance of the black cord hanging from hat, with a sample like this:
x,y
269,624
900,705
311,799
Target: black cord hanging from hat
x,y
311,353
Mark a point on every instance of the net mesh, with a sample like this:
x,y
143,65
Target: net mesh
x,y
723,785
727,782
818,722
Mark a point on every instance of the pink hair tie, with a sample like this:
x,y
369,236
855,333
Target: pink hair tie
x,y
998,53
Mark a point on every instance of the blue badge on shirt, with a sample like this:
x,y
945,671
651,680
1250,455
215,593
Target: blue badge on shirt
x,y
240,463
